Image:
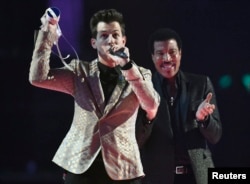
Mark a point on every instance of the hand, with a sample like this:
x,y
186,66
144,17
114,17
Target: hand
x,y
120,60
52,28
50,23
205,108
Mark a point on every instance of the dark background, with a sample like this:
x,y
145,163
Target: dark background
x,y
34,121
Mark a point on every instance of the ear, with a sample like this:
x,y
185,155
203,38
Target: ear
x,y
93,42
152,57
124,40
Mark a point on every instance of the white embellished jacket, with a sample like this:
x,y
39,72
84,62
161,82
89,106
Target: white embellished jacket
x,y
96,126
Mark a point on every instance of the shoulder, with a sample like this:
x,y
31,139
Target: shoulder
x,y
80,66
146,73
194,77
144,70
197,80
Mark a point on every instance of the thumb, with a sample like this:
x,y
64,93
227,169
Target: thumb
x,y
209,97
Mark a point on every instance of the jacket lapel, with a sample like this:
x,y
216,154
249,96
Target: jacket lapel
x,y
95,85
184,97
163,109
117,92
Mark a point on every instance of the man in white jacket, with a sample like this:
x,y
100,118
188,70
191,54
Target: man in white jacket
x,y
100,146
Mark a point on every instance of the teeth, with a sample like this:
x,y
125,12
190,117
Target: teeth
x,y
167,66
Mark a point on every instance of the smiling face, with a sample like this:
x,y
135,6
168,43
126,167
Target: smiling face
x,y
109,35
167,58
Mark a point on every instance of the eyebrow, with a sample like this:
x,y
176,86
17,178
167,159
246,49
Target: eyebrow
x,y
106,31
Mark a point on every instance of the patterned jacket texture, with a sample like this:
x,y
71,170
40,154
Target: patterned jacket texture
x,y
96,126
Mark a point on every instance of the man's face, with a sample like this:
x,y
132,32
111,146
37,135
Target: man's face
x,y
109,35
167,58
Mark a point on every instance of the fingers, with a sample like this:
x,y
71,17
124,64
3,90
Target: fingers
x,y
52,27
204,112
205,108
209,97
209,108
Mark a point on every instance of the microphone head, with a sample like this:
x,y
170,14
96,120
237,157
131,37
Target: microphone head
x,y
53,15
53,12
119,53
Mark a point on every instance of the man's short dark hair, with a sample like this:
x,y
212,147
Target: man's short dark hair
x,y
107,16
163,34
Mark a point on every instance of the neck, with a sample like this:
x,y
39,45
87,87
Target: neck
x,y
108,63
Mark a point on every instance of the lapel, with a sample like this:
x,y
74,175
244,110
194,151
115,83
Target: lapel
x,y
96,88
182,103
117,92
163,115
95,85
184,98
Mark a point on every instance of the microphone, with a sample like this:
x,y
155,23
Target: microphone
x,y
53,15
119,53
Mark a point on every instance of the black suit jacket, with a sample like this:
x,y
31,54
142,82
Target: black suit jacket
x,y
156,139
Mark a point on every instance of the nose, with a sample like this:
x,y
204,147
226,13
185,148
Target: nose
x,y
166,57
110,39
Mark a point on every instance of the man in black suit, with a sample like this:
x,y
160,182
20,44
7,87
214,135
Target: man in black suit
x,y
188,119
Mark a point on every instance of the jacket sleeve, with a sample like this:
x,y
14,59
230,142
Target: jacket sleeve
x,y
143,128
140,80
40,74
212,127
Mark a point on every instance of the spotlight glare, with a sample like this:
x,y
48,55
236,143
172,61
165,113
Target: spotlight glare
x,y
225,81
246,81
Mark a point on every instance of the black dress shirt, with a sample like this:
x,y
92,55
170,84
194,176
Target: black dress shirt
x,y
109,78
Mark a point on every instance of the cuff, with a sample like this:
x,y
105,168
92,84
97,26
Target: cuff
x,y
204,123
127,66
